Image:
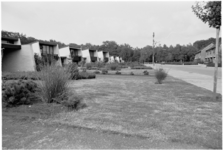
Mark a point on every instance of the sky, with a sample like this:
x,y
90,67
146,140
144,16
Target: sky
x,y
93,22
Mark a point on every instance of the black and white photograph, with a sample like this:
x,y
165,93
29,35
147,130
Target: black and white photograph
x,y
111,74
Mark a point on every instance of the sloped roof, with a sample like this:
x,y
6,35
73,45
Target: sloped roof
x,y
10,38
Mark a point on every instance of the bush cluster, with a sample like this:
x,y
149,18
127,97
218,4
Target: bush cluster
x,y
113,66
21,75
86,75
118,72
141,67
19,93
190,63
211,64
54,82
97,72
145,72
131,73
104,71
160,75
71,100
95,65
72,68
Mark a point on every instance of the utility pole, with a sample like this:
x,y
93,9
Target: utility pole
x,y
216,62
153,47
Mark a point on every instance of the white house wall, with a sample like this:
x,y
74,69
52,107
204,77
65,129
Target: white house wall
x,y
36,48
17,42
86,54
112,59
100,55
117,59
64,52
19,60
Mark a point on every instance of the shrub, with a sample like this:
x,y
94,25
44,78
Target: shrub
x,y
145,72
94,68
113,66
131,73
86,75
19,93
190,63
104,71
72,68
211,64
141,67
54,82
99,64
174,63
97,72
84,69
88,66
118,72
39,62
21,75
160,75
71,101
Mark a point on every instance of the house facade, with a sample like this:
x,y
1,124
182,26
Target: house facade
x,y
70,54
16,57
117,59
103,56
112,59
90,55
121,60
207,54
48,51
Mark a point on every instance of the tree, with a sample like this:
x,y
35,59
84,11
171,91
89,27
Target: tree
x,y
210,12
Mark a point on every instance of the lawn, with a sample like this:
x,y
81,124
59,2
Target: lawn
x,y
174,112
123,111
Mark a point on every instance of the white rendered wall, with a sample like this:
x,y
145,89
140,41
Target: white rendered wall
x,y
112,59
19,60
17,42
100,56
86,54
64,52
117,59
36,48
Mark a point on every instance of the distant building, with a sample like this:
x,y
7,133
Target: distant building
x,y
207,54
90,55
112,59
117,59
103,56
70,54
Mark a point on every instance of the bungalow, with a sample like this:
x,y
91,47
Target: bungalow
x,y
112,59
103,56
70,54
17,57
47,50
121,60
90,55
117,59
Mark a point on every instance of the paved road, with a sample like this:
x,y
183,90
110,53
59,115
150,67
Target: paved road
x,y
195,69
197,75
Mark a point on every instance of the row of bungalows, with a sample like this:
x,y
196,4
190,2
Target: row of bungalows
x,y
17,57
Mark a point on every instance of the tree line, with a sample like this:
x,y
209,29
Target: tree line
x,y
183,53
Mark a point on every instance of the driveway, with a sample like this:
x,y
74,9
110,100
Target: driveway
x,y
196,75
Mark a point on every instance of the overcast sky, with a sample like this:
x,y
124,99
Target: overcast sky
x,y
95,22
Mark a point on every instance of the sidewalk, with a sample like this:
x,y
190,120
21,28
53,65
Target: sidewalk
x,y
203,81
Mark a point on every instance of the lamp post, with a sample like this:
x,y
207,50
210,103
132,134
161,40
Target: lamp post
x,y
153,47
